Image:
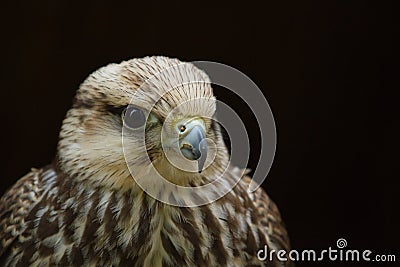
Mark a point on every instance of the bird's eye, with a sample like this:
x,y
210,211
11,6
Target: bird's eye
x,y
133,117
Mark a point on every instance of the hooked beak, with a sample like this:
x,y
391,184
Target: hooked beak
x,y
193,144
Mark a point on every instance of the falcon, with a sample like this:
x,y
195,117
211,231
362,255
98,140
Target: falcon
x,y
100,203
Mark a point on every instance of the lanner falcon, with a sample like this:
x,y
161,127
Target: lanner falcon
x,y
86,208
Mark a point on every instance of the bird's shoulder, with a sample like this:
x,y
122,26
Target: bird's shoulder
x,y
269,215
17,203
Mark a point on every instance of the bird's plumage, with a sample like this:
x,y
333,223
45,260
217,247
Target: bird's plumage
x,y
85,208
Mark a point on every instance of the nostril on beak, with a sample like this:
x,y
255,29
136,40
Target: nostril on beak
x,y
194,146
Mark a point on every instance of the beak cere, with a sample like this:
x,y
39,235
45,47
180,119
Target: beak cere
x,y
194,145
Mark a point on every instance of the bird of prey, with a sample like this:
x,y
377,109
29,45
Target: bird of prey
x,y
86,209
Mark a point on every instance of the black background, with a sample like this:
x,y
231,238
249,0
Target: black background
x,y
327,69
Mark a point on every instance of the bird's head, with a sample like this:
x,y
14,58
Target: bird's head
x,y
153,112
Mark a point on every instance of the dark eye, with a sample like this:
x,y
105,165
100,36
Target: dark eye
x,y
134,118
